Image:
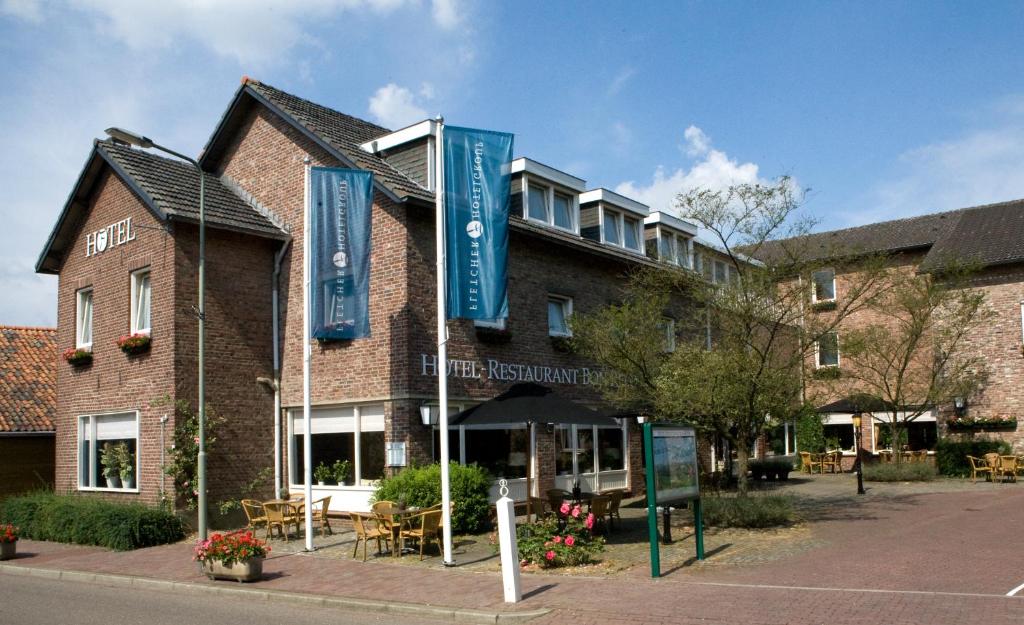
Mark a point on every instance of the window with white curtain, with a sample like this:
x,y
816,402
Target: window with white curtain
x,y
83,319
559,311
824,285
620,229
827,350
348,433
549,206
96,432
140,302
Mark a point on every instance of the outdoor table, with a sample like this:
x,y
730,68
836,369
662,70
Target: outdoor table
x,y
295,503
399,517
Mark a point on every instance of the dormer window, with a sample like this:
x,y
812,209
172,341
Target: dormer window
x,y
620,229
550,207
674,248
549,196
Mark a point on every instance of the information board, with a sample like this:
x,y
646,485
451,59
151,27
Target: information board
x,y
674,451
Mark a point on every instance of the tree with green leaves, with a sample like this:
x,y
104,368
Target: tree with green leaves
x,y
915,358
741,346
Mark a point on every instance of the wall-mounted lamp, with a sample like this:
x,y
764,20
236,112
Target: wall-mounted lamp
x,y
960,405
429,414
641,419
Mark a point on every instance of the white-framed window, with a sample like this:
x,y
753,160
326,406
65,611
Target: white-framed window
x,y
493,324
140,302
112,437
668,327
502,449
586,449
698,262
559,311
83,318
721,272
352,434
826,350
620,229
549,206
676,249
824,286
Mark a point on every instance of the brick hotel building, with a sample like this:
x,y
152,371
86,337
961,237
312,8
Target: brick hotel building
x,y
125,250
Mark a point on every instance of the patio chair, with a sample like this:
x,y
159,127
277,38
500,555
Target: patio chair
x,y
254,514
885,456
599,508
556,496
367,528
614,501
992,460
280,515
320,508
1007,468
979,466
538,507
429,522
833,461
809,461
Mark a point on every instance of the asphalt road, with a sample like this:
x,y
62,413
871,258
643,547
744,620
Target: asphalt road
x,y
37,601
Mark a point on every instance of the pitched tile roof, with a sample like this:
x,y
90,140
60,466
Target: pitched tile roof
x,y
28,379
344,133
173,186
991,234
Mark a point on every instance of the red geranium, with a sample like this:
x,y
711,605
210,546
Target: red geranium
x,y
229,548
8,533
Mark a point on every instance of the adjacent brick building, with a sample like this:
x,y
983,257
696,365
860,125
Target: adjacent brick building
x,y
28,400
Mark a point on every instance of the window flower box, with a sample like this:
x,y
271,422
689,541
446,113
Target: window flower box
x,y
78,357
827,373
983,423
561,344
133,344
824,306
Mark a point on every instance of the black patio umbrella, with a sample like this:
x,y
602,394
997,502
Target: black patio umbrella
x,y
532,403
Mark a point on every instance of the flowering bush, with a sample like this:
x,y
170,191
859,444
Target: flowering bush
x,y
230,548
998,421
8,534
77,356
562,539
134,343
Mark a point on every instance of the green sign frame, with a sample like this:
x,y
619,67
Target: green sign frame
x,y
672,472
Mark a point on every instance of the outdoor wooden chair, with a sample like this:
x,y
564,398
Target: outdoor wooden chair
x,y
614,501
538,507
280,515
809,461
367,528
833,461
320,519
1007,468
254,514
979,466
992,460
599,508
425,530
556,496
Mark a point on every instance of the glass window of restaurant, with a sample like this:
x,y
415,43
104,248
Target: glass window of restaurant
x,y
351,433
503,450
595,449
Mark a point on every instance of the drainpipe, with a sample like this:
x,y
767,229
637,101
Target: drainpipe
x,y
275,302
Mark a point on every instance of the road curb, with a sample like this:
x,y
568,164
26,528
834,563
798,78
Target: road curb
x,y
459,615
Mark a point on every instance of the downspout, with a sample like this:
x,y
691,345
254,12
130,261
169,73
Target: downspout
x,y
275,303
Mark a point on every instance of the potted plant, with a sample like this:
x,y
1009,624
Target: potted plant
x,y
111,465
126,465
237,555
8,541
341,469
322,473
134,343
78,357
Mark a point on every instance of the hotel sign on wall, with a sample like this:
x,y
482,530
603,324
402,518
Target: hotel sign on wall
x,y
117,233
499,371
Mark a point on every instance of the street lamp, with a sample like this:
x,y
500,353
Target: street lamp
x,y
858,466
141,141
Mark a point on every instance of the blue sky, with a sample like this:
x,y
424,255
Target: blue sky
x,y
883,109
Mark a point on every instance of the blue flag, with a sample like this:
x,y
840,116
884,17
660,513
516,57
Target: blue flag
x,y
340,203
477,187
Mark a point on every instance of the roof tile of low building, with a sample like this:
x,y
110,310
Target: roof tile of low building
x,y
28,379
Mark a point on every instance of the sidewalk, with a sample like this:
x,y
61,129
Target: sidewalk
x,y
852,579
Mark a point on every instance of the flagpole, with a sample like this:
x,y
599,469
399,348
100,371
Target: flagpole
x,y
442,343
307,357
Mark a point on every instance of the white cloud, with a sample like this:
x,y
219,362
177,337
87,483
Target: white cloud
x,y
447,13
395,107
713,170
28,10
979,167
620,81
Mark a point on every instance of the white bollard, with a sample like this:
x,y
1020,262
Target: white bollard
x,y
509,548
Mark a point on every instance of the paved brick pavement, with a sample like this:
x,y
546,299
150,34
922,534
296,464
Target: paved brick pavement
x,y
894,556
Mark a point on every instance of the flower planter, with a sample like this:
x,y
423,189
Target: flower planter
x,y
250,570
127,481
8,550
113,481
134,344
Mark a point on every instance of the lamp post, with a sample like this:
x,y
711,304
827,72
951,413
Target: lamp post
x,y
857,464
144,142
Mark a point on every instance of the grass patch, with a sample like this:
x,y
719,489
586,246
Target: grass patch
x,y
751,512
903,472
44,515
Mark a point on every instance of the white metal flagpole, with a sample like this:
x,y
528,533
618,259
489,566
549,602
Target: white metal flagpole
x,y
442,344
307,357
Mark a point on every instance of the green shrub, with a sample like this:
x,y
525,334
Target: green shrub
x,y
421,486
902,472
771,468
753,511
951,455
560,539
86,520
810,433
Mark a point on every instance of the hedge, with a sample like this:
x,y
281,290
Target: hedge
x,y
83,520
902,472
951,455
752,511
421,486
